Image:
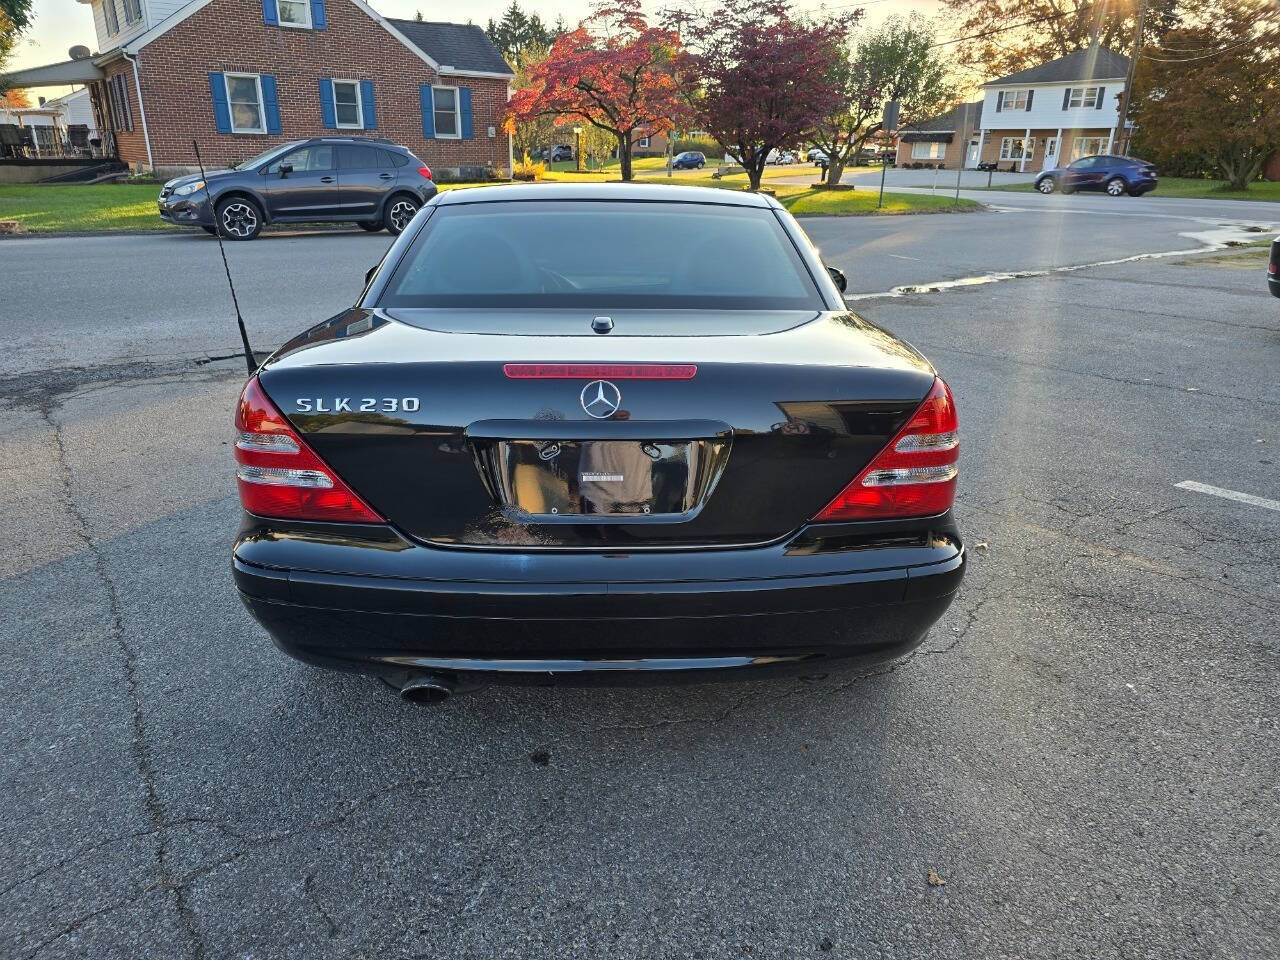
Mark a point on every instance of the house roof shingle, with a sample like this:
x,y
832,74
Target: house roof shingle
x,y
1100,64
941,127
463,46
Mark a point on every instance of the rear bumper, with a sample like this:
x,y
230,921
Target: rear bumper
x,y
562,620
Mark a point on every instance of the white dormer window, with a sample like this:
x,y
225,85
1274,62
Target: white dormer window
x,y
132,11
294,13
1084,97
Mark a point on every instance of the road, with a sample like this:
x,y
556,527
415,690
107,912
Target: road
x,y
1083,754
163,298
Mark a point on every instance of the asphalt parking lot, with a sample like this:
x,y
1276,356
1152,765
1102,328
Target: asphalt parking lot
x,y
1081,761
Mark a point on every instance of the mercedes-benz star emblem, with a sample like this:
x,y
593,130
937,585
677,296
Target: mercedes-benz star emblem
x,y
601,399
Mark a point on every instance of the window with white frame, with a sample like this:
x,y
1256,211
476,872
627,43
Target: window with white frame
x,y
445,107
643,143
294,13
1087,146
928,151
346,104
132,11
1017,148
110,17
1014,100
244,96
1084,97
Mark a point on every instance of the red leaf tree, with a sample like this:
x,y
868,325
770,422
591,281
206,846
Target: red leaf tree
x,y
756,77
614,72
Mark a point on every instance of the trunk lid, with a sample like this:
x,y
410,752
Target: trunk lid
x,y
439,433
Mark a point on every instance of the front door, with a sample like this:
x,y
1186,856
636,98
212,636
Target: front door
x,y
1050,153
367,176
971,159
303,184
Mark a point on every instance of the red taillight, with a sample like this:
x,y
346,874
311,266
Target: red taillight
x,y
1273,268
425,171
600,371
914,475
280,476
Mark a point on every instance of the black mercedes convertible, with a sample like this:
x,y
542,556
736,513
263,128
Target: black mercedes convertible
x,y
596,432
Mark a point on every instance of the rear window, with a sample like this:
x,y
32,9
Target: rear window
x,y
603,254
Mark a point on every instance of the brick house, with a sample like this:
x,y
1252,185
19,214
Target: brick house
x,y
1031,120
940,139
240,76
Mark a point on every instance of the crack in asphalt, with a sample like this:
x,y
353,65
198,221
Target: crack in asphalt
x,y
309,890
140,745
42,390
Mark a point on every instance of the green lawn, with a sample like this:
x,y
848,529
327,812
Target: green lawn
x,y
74,208
1193,188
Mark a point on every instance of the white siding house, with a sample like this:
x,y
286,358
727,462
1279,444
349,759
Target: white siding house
x,y
1037,118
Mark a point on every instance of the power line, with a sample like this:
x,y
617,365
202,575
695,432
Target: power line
x,y
1012,26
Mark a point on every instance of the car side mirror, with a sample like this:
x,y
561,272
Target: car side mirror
x,y
838,277
286,169
368,274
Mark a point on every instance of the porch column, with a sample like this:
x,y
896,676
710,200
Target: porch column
x,y
1110,135
1026,139
1057,150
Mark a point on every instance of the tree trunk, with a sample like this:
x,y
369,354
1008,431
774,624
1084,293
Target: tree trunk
x,y
835,169
754,165
624,155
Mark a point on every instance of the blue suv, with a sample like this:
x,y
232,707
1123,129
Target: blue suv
x,y
1115,175
689,160
365,180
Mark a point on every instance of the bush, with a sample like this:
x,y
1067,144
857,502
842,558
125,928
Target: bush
x,y
704,145
528,170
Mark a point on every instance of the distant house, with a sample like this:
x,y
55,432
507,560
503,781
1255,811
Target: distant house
x,y
240,76
941,139
1031,120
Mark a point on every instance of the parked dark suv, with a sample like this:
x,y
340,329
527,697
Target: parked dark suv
x,y
372,182
1116,175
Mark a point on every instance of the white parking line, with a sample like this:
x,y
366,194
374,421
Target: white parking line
x,y
1248,498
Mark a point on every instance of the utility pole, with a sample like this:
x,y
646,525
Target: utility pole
x,y
964,152
1122,132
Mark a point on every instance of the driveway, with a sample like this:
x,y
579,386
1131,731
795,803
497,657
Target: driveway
x,y
1081,760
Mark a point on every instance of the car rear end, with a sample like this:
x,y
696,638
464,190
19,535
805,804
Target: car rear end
x,y
414,174
518,493
1140,176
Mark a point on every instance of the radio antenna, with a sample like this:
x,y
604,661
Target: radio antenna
x,y
217,232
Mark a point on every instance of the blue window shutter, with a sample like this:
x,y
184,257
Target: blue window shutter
x,y
317,15
1102,91
1031,94
328,116
1066,98
366,105
221,109
999,101
464,108
269,15
270,102
428,112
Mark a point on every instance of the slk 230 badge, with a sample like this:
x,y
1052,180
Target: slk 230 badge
x,y
357,404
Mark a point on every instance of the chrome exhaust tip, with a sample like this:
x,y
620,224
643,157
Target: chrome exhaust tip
x,y
427,689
